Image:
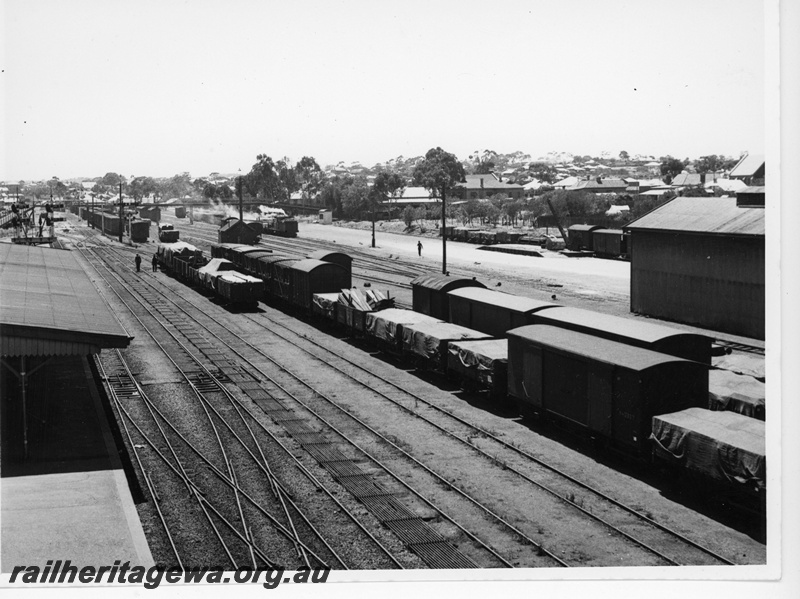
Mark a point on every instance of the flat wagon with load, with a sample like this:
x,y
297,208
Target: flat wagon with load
x,y
481,364
427,341
723,449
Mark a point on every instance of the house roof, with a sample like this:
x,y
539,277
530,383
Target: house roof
x,y
687,179
748,165
719,216
603,184
489,182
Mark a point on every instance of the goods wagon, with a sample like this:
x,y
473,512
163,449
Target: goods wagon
x,y
726,448
228,250
238,288
430,293
138,230
428,341
182,259
110,224
325,305
168,234
609,390
610,243
339,258
152,213
385,327
492,312
579,237
249,260
639,332
482,364
307,277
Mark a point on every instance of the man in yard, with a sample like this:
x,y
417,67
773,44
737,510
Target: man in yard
x,y
419,248
138,262
155,263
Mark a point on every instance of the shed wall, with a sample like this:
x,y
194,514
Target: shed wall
x,y
712,281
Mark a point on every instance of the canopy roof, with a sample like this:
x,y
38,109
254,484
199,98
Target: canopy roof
x,y
50,307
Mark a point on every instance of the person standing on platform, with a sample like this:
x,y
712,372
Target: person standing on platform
x,y
419,248
155,263
138,261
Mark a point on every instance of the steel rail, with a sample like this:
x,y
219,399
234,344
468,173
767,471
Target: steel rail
x,y
408,456
219,474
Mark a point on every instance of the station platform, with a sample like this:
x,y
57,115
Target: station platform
x,y
63,488
69,499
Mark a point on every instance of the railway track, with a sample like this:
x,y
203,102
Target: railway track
x,y
277,522
410,528
679,545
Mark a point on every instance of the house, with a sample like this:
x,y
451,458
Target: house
x,y
750,169
485,186
701,261
600,185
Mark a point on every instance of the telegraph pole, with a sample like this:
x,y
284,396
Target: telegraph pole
x,y
444,232
121,221
241,215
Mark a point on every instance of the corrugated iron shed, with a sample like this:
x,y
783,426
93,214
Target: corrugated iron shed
x,y
49,306
719,216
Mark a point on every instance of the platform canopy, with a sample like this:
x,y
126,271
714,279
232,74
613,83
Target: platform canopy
x,y
50,307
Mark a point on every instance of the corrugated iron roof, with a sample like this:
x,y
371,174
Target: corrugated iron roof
x,y
308,265
747,166
498,298
687,179
49,306
596,348
719,216
624,327
323,254
444,282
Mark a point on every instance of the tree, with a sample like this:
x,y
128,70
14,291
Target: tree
x,y
142,186
713,164
309,177
544,172
355,196
624,156
386,185
439,172
670,167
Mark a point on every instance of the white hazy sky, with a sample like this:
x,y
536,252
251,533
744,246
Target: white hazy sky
x,y
161,87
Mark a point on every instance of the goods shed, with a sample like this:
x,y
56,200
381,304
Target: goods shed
x,y
607,389
236,231
430,293
492,312
701,261
639,332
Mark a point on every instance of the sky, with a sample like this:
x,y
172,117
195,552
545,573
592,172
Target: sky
x,y
161,87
